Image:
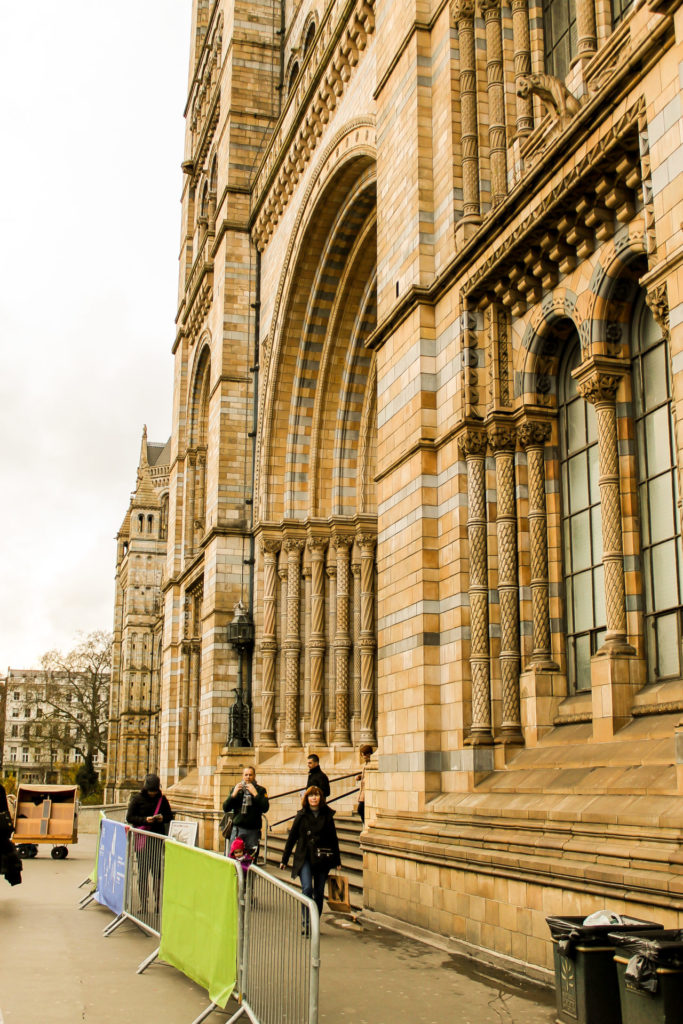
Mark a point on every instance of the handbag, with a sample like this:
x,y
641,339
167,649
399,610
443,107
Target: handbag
x,y
338,892
141,841
225,824
320,856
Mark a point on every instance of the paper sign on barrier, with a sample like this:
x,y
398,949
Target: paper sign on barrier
x,y
200,919
111,865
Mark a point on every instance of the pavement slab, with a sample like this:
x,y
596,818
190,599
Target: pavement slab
x,y
56,967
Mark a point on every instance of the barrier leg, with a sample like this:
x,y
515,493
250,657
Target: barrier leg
x,y
85,900
84,882
205,1013
114,924
149,960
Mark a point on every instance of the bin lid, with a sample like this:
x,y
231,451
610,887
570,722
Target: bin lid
x,y
574,929
662,946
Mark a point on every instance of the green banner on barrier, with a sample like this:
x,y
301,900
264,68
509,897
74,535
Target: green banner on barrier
x,y
200,918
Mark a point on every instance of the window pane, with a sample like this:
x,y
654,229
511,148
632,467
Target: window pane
x,y
644,514
600,618
649,330
583,662
569,599
657,441
576,426
654,377
592,421
665,575
661,508
594,473
596,532
578,482
668,645
583,601
581,541
567,547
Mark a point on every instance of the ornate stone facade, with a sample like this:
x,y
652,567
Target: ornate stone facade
x,y
417,391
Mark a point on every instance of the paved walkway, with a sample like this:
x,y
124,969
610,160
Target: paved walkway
x,y
57,968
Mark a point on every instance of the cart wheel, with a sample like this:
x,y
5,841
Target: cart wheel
x,y
24,850
59,852
33,850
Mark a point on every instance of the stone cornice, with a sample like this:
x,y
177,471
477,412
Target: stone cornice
x,y
341,39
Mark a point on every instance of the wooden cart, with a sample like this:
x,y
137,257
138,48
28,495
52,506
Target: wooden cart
x,y
45,814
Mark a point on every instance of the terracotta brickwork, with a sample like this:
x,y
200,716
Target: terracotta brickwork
x,y
424,287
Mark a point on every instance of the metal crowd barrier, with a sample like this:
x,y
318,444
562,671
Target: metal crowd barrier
x,y
280,953
144,891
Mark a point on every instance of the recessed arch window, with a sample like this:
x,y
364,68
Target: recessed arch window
x,y
620,9
293,75
581,523
661,561
310,36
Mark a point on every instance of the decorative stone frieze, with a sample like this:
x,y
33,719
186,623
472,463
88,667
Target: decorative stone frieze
x,y
301,126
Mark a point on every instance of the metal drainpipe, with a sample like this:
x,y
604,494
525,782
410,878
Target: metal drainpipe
x,y
256,305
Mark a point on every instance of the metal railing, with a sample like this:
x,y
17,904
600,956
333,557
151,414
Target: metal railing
x,y
280,962
145,879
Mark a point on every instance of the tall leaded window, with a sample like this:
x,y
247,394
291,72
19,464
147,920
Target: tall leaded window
x,y
620,8
662,566
581,524
559,35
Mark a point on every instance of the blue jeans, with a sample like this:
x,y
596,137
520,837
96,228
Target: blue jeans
x,y
313,883
251,836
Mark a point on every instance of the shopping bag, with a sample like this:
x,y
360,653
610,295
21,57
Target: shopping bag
x,y
338,892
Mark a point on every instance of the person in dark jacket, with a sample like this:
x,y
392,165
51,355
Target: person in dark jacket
x,y
316,776
10,864
248,802
313,837
149,810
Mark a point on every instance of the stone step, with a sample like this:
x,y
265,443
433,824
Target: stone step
x,y
348,833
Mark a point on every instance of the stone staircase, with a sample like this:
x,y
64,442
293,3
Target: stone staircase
x,y
348,832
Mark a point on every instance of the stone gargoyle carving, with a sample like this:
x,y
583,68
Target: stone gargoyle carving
x,y
553,94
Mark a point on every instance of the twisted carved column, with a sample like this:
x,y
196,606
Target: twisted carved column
x,y
503,439
199,498
282,576
355,703
597,380
270,549
495,88
190,479
463,15
473,445
195,668
342,642
184,704
367,638
587,38
317,644
522,60
534,436
292,644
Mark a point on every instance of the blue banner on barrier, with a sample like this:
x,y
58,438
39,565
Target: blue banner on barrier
x,y
111,865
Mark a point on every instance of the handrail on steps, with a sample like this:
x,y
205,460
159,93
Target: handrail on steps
x,y
269,827
290,792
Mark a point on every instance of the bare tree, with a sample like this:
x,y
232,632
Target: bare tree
x,y
77,695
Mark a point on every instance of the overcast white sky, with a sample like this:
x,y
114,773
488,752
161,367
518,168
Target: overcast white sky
x,y
93,93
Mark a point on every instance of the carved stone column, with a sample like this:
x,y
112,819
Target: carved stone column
x,y
355,651
534,436
199,499
282,681
522,59
193,730
317,547
342,642
587,38
463,16
503,439
183,716
190,481
495,88
367,638
473,445
270,550
597,380
292,644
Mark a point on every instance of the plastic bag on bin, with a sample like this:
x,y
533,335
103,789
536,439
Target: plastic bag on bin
x,y
601,918
642,973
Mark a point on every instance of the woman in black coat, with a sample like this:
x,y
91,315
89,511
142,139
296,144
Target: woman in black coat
x,y
313,838
10,865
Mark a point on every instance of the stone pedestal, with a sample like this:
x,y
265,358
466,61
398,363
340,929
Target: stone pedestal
x,y
542,690
616,676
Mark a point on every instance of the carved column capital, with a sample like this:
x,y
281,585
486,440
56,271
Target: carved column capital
x,y
462,10
502,437
317,545
597,379
366,541
293,545
534,433
270,546
473,441
657,300
489,8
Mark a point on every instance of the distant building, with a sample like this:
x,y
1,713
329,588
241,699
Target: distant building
x,y
38,740
136,656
